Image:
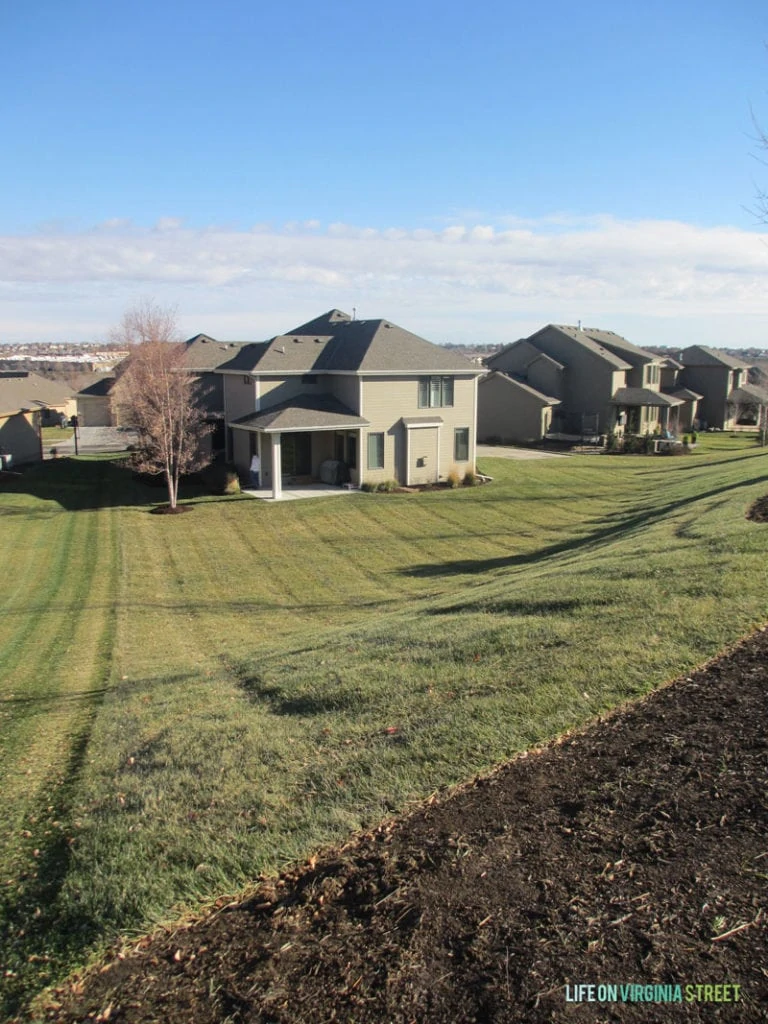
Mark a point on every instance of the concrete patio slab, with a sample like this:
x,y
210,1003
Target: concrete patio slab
x,y
290,493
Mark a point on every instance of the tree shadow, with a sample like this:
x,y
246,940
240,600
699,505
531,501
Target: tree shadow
x,y
608,529
81,484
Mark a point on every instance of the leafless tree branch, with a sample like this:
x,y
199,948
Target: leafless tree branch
x,y
157,396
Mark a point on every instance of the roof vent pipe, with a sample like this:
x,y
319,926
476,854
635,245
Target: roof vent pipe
x,y
579,324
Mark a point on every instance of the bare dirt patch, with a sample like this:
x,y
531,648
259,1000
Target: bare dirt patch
x,y
758,510
633,852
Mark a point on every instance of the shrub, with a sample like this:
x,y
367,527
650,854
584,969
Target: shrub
x,y
453,479
686,440
693,437
367,486
611,442
471,479
221,478
387,486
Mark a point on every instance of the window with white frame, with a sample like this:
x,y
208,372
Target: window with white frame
x,y
435,392
375,451
461,444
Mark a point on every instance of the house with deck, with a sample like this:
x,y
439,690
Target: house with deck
x,y
380,401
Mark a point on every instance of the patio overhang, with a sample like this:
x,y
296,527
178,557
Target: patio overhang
x,y
628,397
302,413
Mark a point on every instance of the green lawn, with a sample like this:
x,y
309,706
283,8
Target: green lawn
x,y
55,435
189,701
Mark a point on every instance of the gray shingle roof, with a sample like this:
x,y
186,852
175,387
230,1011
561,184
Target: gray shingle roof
x,y
98,389
748,394
684,394
206,353
700,355
533,392
421,421
584,339
334,343
644,396
304,412
22,391
621,347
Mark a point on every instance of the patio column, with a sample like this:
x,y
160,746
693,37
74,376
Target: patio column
x,y
277,467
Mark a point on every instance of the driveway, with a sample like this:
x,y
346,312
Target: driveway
x,y
494,451
98,439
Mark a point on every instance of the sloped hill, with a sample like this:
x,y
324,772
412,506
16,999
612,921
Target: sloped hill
x,y
630,854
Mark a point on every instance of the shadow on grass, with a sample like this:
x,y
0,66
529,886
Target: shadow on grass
x,y
603,534
89,483
40,939
491,607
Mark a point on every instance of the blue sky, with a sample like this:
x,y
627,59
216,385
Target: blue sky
x,y
469,171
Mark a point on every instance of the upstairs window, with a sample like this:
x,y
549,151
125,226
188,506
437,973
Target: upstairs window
x,y
435,392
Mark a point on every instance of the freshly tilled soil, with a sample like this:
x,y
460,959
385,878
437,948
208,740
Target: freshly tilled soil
x,y
634,852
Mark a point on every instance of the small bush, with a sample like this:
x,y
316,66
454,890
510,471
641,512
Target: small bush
x,y
686,440
367,486
221,478
387,486
453,479
676,449
611,442
693,437
471,479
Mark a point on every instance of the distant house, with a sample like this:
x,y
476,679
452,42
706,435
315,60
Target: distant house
x,y
27,403
95,407
202,357
729,401
368,394
576,381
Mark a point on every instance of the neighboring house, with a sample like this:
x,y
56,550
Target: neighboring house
x,y
95,407
202,358
729,401
382,401
509,409
576,381
27,403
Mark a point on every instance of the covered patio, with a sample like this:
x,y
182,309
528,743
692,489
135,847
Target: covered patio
x,y
293,439
640,410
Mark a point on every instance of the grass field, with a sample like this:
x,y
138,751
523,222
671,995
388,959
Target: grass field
x,y
55,435
189,701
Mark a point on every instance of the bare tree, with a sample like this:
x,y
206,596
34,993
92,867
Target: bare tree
x,y
158,397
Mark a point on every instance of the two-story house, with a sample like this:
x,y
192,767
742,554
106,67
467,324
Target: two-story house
x,y
576,381
729,401
381,400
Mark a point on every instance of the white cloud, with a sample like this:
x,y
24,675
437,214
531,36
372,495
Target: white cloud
x,y
655,281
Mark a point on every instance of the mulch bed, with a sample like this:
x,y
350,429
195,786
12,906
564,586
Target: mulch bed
x,y
758,510
633,852
167,510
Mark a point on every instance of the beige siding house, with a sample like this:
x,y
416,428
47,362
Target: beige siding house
x,y
576,381
95,407
728,400
28,402
384,403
